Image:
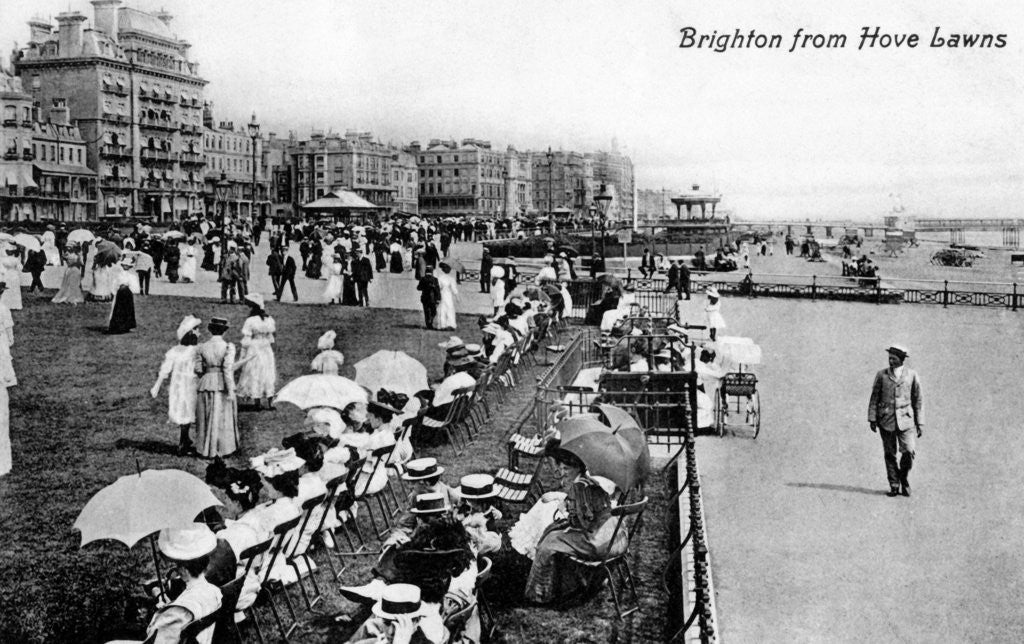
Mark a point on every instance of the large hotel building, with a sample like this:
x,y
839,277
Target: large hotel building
x,y
137,99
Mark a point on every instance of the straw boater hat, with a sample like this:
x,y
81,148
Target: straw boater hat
x,y
477,486
218,323
187,542
453,341
430,503
326,341
277,462
190,323
399,600
473,349
422,468
898,350
255,298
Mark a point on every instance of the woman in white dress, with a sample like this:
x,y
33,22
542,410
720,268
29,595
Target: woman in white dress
x,y
449,293
327,259
189,262
10,274
7,379
258,377
713,311
50,247
179,366
497,288
335,280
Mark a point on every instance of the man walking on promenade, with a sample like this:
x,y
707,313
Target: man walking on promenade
x,y
362,275
287,279
895,408
275,266
486,264
430,295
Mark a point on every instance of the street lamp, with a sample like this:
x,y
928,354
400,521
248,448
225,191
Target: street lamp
x,y
220,192
504,186
602,201
254,133
550,161
592,209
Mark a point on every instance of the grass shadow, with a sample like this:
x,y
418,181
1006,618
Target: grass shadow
x,y
151,446
832,487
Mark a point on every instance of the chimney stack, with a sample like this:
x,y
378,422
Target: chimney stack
x,y
105,16
39,29
59,113
70,35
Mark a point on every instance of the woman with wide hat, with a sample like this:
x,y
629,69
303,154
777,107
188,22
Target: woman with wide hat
x,y
216,404
179,365
188,549
258,377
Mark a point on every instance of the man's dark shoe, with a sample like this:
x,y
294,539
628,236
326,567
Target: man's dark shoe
x,y
893,492
906,489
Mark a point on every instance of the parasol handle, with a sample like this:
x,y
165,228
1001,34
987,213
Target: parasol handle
x,y
156,564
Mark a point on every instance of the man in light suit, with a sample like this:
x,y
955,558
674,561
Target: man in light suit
x,y
895,407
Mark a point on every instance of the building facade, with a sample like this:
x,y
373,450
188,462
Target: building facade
x,y
42,172
137,99
616,172
235,155
405,178
277,170
467,178
355,162
562,181
518,185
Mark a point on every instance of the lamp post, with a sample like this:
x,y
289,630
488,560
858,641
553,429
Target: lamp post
x,y
592,209
220,192
254,133
603,200
504,186
550,161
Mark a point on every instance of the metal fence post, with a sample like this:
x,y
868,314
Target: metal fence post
x,y
945,293
814,286
1014,301
878,291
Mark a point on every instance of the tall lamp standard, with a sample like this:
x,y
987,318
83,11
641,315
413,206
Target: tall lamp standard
x,y
220,191
504,186
603,200
592,209
254,133
550,161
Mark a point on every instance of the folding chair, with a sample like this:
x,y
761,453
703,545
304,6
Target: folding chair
x,y
456,622
500,378
378,463
333,490
194,629
518,487
226,629
445,425
614,566
487,624
313,512
270,587
249,557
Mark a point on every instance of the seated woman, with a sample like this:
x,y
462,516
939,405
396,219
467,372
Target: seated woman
x,y
329,360
188,549
585,532
425,476
477,514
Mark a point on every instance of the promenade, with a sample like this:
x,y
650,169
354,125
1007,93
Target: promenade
x,y
805,546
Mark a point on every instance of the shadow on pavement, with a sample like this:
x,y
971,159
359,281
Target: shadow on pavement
x,y
839,488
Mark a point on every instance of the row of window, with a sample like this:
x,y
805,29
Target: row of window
x,y
228,164
44,152
11,113
429,188
118,172
454,158
234,144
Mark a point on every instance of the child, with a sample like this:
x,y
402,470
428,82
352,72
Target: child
x,y
328,360
477,514
713,309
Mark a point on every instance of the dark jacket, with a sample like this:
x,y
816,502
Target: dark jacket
x,y
362,270
288,271
430,290
275,263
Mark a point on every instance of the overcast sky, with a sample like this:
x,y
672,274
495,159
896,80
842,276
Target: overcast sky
x,y
814,133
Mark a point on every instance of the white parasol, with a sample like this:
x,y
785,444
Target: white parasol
x,y
322,390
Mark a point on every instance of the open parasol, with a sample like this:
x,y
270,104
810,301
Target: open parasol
x,y
135,506
107,253
568,250
616,417
31,242
197,237
608,455
392,370
321,390
80,236
174,234
577,426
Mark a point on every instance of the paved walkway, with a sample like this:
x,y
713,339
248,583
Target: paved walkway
x,y
805,546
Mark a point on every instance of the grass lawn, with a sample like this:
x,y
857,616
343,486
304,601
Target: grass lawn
x,y
81,416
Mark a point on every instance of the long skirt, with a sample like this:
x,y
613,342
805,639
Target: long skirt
x,y
396,262
348,293
122,313
382,260
553,578
258,377
5,432
216,424
70,287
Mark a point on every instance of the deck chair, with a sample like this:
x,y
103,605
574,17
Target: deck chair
x,y
516,487
271,588
378,463
248,558
446,425
226,630
616,567
297,551
455,622
334,487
